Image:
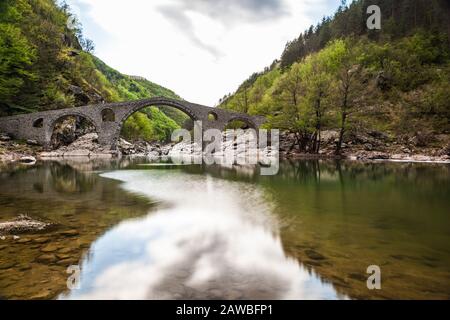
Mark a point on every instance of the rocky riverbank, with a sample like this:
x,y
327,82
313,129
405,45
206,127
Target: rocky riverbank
x,y
18,151
371,145
374,145
85,146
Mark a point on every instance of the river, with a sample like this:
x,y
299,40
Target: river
x,y
140,230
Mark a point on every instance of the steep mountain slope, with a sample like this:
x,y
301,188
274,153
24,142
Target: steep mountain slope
x,y
340,76
46,63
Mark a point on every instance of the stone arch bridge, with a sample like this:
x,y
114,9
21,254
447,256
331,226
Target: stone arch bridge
x,y
108,119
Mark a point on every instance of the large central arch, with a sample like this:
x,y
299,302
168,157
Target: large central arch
x,y
136,107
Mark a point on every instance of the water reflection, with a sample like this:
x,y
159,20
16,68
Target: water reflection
x,y
340,217
220,232
210,238
81,204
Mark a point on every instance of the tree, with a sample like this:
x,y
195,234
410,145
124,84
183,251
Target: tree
x,y
88,45
286,111
349,88
17,55
317,81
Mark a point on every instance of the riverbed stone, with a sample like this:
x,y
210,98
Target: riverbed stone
x,y
7,265
69,233
52,247
24,267
46,258
45,294
63,256
23,241
358,276
65,250
41,240
67,262
313,263
312,254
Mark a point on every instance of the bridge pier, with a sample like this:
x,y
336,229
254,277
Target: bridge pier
x,y
109,134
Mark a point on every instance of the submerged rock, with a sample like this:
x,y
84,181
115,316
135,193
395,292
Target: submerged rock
x,y
312,254
7,265
23,224
52,247
46,258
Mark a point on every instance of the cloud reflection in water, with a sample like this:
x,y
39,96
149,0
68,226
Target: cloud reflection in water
x,y
210,239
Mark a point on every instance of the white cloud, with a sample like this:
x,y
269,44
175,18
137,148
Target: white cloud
x,y
200,49
195,248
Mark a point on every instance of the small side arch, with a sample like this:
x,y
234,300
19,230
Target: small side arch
x,y
38,123
212,116
240,123
108,115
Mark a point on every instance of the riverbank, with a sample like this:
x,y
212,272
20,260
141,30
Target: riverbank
x,y
373,145
364,147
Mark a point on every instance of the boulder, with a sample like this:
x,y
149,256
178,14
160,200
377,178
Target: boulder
x,y
28,159
4,137
23,224
32,142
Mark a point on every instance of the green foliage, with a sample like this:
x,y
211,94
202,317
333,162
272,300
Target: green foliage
x,y
149,125
42,60
397,86
400,19
340,75
252,98
16,57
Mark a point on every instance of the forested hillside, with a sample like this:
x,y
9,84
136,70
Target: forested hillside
x,y
340,76
46,63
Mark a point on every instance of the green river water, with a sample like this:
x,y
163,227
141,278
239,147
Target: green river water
x,y
142,230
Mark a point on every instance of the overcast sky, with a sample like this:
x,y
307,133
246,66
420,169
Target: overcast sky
x,y
201,49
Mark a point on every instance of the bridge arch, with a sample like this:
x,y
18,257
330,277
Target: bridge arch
x,y
160,102
185,107
245,120
25,126
38,123
50,129
108,115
